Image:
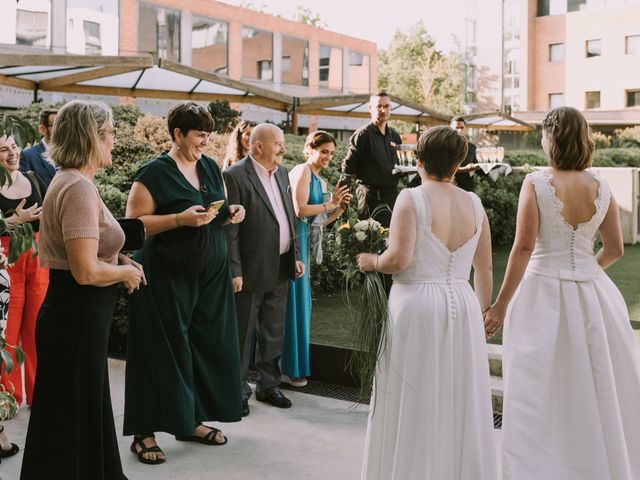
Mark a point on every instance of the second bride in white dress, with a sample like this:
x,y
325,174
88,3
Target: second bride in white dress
x,y
430,415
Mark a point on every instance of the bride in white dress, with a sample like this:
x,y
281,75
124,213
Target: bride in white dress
x,y
571,362
430,415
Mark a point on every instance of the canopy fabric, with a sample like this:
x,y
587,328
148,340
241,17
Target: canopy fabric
x,y
357,106
130,77
497,122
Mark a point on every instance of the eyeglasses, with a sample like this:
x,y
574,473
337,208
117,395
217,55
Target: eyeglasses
x,y
198,109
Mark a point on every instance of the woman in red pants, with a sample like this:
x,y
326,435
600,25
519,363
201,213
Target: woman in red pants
x,y
21,202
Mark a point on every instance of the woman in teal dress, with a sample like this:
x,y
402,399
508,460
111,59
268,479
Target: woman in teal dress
x,y
313,212
183,362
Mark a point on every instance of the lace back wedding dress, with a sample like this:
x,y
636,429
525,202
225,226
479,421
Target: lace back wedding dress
x,y
571,362
431,415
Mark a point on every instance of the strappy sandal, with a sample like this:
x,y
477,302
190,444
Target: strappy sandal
x,y
138,441
8,453
208,439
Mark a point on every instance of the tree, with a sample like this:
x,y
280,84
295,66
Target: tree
x,y
224,116
414,70
308,17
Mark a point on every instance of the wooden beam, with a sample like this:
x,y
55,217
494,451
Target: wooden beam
x,y
172,95
44,60
423,119
225,81
333,101
18,82
53,83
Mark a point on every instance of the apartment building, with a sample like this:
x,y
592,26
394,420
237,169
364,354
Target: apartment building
x,y
244,44
528,56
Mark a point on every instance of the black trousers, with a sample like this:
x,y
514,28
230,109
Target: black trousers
x,y
370,198
71,431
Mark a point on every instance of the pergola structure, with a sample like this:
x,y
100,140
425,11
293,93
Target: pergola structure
x,y
497,122
138,77
356,106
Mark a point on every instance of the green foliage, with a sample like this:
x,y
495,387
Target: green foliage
x,y
225,117
125,117
628,137
308,17
525,157
601,140
414,70
617,157
500,201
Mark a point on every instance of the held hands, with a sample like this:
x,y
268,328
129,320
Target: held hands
x,y
367,262
236,214
25,215
134,273
299,268
195,216
493,319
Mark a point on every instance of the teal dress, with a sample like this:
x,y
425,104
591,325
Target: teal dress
x,y
183,361
295,352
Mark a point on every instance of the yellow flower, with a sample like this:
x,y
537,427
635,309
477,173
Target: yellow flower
x,y
344,226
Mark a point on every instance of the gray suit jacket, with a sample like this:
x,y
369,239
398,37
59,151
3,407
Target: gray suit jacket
x,y
254,244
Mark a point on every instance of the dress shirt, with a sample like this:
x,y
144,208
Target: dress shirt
x,y
270,184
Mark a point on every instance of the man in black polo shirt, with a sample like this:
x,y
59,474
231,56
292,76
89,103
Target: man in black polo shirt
x,y
469,164
371,158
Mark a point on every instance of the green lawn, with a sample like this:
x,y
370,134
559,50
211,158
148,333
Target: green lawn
x,y
331,321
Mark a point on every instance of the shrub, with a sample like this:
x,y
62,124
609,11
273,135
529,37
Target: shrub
x,y
617,157
525,157
629,137
601,140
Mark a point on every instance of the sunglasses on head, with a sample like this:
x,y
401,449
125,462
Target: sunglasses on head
x,y
198,109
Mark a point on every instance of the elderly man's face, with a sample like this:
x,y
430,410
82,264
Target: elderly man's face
x,y
380,109
273,147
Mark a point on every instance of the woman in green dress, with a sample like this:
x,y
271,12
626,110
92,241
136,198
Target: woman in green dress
x,y
183,362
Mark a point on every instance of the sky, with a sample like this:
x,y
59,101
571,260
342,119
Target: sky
x,y
376,21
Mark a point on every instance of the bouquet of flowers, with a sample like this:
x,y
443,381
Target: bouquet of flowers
x,y
370,315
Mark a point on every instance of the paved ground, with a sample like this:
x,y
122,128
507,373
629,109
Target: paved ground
x,y
317,439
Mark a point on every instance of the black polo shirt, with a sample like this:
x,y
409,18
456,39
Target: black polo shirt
x,y
372,156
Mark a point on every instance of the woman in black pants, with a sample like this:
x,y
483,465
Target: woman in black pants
x,y
71,430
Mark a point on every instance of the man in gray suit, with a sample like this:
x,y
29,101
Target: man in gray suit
x,y
264,256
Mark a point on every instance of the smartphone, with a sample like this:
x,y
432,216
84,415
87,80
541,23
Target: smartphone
x,y
215,206
345,179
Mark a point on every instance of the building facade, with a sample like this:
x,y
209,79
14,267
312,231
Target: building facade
x,y
529,56
243,44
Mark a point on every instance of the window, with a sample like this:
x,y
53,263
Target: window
x,y
295,61
556,100
33,26
209,40
556,52
257,54
358,72
594,48
632,45
330,67
592,100
92,27
159,32
574,5
633,98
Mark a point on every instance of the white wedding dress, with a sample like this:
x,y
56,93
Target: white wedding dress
x,y
431,417
571,362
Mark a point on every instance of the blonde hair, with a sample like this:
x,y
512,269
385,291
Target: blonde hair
x,y
78,132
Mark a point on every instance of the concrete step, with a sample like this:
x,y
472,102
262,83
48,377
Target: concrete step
x,y
497,393
495,359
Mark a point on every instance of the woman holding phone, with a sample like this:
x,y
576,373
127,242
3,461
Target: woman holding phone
x,y
313,212
183,364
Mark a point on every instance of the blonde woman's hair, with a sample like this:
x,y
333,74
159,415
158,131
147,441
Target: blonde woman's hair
x,y
78,133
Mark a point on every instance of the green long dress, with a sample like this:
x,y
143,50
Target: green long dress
x,y
183,362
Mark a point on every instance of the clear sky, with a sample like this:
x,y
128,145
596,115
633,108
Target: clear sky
x,y
377,21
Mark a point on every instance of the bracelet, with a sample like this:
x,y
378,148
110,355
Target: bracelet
x,y
178,222
376,267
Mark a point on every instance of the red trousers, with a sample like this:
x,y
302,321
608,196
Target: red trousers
x,y
29,284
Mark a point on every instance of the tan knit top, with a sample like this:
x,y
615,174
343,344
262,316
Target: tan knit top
x,y
72,209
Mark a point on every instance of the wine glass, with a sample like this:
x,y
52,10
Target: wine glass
x,y
501,154
479,155
485,155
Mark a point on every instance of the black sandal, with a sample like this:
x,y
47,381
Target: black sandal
x,y
8,453
138,441
208,439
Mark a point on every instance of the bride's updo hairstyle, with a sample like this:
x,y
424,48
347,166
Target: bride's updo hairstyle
x,y
570,143
441,150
